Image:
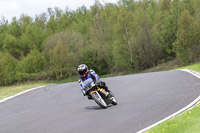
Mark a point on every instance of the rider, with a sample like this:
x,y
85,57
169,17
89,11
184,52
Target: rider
x,y
87,74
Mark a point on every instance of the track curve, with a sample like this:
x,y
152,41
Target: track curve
x,y
143,99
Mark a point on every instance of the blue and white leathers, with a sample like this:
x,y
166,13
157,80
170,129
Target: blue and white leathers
x,y
87,82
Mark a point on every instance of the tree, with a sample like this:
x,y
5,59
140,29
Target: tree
x,y
8,66
165,28
3,30
124,40
58,61
41,20
97,54
24,21
54,17
34,62
63,52
12,46
188,38
32,38
14,28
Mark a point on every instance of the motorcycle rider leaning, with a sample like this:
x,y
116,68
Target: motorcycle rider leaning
x,y
86,74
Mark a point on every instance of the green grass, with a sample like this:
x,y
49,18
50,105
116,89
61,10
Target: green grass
x,y
6,91
194,67
188,122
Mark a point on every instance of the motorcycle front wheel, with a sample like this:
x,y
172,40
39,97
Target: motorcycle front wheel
x,y
99,100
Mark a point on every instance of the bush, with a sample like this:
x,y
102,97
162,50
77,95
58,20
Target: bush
x,y
23,77
8,66
33,63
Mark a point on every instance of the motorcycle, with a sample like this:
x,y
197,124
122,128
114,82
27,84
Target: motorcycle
x,y
100,95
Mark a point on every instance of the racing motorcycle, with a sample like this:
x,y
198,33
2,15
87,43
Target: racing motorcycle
x,y
100,96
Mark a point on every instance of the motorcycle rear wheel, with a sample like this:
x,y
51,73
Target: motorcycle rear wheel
x,y
114,100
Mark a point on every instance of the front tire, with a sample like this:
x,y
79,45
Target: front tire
x,y
99,100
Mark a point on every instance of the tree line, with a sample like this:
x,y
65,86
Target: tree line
x,y
130,35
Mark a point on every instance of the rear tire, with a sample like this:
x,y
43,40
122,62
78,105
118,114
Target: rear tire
x,y
99,100
114,100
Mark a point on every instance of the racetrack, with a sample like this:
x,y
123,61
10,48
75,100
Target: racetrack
x,y
143,99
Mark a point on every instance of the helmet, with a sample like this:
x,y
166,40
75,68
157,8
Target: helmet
x,y
82,69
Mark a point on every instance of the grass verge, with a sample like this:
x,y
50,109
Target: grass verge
x,y
188,122
194,67
6,91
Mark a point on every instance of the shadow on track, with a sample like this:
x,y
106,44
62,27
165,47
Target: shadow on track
x,y
96,107
93,108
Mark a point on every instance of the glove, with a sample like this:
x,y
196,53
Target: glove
x,y
83,91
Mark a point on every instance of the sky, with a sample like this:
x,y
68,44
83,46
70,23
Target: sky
x,y
14,8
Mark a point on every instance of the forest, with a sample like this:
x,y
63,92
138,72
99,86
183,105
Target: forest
x,y
127,36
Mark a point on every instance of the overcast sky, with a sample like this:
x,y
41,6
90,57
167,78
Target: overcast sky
x,y
14,8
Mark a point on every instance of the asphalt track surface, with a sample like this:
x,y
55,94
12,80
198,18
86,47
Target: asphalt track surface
x,y
143,99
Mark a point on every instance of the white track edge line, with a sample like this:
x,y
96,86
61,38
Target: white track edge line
x,y
178,112
11,97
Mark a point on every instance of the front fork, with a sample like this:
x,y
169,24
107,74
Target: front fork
x,y
101,90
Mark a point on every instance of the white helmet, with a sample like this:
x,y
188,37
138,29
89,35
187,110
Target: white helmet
x,y
82,69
